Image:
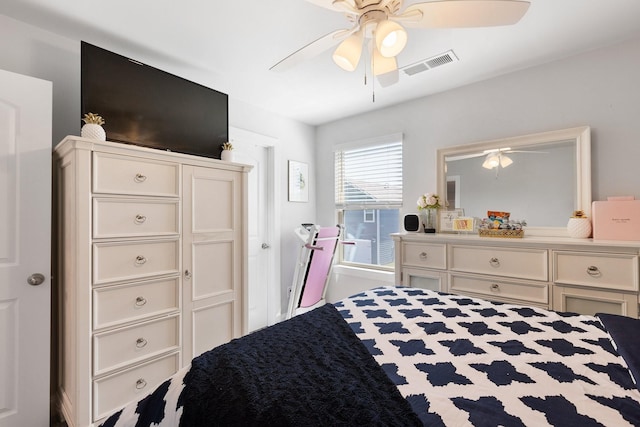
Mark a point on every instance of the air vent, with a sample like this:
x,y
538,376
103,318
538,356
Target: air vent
x,y
429,63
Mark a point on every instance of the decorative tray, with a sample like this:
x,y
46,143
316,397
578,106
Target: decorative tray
x,y
509,234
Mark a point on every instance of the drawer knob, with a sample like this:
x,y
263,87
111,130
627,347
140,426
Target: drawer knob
x,y
495,287
140,301
593,271
140,178
141,383
140,260
141,343
423,255
495,262
140,219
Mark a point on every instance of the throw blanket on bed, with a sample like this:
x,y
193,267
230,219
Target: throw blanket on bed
x,y
309,371
463,361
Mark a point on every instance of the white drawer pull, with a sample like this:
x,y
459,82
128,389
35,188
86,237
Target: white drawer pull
x,y
423,255
593,271
141,383
140,260
140,219
495,287
140,178
140,301
141,343
495,262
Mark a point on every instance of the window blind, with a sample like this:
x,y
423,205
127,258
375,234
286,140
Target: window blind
x,y
369,176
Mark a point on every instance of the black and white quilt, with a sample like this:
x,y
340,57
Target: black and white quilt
x,y
463,361
407,357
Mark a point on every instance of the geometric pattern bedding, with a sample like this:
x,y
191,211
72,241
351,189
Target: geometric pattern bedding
x,y
465,361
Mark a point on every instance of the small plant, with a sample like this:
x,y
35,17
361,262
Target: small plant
x,y
227,146
578,214
93,119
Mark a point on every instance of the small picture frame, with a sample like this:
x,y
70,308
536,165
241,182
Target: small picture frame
x,y
446,219
298,181
463,223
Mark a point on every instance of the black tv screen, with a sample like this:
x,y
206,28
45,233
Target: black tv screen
x,y
146,106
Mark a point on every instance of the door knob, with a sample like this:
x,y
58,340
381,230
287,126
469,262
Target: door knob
x,y
35,279
266,246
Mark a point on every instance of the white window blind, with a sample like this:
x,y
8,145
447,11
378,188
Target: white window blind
x,y
369,176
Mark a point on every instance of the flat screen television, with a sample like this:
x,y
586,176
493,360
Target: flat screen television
x,y
145,106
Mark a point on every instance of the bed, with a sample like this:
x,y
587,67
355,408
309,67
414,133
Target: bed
x,y
405,356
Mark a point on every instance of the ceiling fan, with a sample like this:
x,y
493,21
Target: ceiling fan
x,y
377,26
494,158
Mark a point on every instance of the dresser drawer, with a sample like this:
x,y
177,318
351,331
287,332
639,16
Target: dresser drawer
x,y
134,217
121,347
593,301
599,270
508,262
113,174
113,305
115,261
492,288
112,392
431,255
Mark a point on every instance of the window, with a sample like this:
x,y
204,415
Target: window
x,y
368,197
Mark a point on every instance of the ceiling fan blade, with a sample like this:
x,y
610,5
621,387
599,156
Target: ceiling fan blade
x,y
337,5
463,13
313,49
465,156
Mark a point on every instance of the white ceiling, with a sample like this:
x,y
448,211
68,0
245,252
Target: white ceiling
x,y
230,45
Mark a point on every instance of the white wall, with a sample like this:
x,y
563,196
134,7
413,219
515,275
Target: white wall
x,y
28,50
599,88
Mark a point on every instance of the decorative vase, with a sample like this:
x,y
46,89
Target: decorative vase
x,y
429,219
227,155
579,228
93,131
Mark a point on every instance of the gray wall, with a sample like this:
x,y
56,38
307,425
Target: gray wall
x,y
598,88
29,50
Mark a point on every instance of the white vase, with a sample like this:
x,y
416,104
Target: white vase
x,y
93,131
579,228
227,155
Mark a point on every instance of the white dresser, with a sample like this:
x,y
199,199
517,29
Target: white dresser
x,y
150,268
578,275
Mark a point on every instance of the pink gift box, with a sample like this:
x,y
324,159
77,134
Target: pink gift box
x,y
616,220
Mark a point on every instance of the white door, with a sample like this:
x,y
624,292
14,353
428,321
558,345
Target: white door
x,y
25,249
264,294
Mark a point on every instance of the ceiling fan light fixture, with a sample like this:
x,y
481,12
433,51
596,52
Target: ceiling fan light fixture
x,y
505,161
390,38
492,161
382,65
347,54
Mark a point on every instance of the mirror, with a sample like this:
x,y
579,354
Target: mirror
x,y
541,178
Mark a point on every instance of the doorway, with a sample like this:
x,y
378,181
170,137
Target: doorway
x,y
260,151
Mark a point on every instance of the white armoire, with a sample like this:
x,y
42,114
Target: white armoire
x,y
151,271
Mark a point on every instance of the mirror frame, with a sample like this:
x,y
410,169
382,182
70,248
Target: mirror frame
x,y
580,135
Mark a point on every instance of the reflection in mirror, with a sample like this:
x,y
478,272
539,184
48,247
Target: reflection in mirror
x,y
540,178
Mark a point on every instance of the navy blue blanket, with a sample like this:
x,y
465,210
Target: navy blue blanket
x,y
309,371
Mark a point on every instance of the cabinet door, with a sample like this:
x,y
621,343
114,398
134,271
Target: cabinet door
x,y
213,276
590,301
425,279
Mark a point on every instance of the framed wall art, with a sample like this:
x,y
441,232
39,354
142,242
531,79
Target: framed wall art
x,y
447,217
298,181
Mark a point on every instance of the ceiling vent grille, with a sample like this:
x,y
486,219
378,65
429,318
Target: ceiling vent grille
x,y
429,63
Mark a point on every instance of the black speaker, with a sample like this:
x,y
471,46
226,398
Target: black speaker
x,y
411,222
